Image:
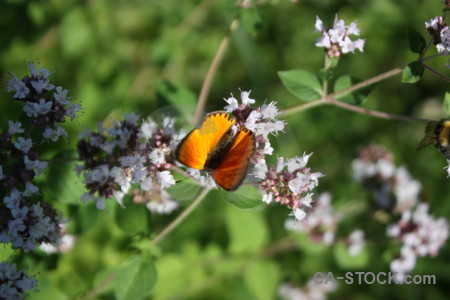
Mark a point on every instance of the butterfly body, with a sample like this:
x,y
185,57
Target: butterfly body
x,y
218,147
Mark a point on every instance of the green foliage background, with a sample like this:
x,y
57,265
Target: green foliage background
x,y
124,56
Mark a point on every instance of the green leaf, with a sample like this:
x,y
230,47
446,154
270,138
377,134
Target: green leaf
x,y
355,97
245,197
347,261
307,245
46,289
304,85
332,62
135,278
262,278
86,215
177,97
133,219
412,72
325,75
252,21
416,41
447,104
104,281
65,186
247,229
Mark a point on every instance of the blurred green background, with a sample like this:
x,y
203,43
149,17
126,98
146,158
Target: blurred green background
x,y
124,56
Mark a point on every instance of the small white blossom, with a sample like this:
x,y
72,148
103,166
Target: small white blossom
x,y
41,85
23,144
14,127
356,242
232,104
14,84
165,179
162,205
157,156
147,128
30,189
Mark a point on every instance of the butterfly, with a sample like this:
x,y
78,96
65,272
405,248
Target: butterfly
x,y
218,148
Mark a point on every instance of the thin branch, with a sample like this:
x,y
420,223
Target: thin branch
x,y
180,218
212,71
436,72
373,113
369,81
93,293
305,106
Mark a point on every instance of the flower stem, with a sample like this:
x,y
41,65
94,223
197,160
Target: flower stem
x,y
436,72
212,71
305,106
369,81
180,218
373,113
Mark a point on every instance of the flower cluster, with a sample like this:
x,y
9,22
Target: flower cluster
x,y
125,154
45,104
24,221
261,121
336,40
288,183
393,188
322,222
312,291
440,32
14,283
420,235
25,224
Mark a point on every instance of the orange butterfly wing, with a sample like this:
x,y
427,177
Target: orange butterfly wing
x,y
232,170
193,150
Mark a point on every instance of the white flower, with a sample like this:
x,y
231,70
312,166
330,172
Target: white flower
x,y
269,111
38,72
99,174
23,144
299,214
14,84
205,180
54,134
433,23
356,242
131,118
246,100
444,46
147,128
13,200
61,95
318,25
146,183
99,203
163,205
260,169
232,104
14,127
121,178
41,85
157,156
36,165
267,198
30,189
165,179
136,162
